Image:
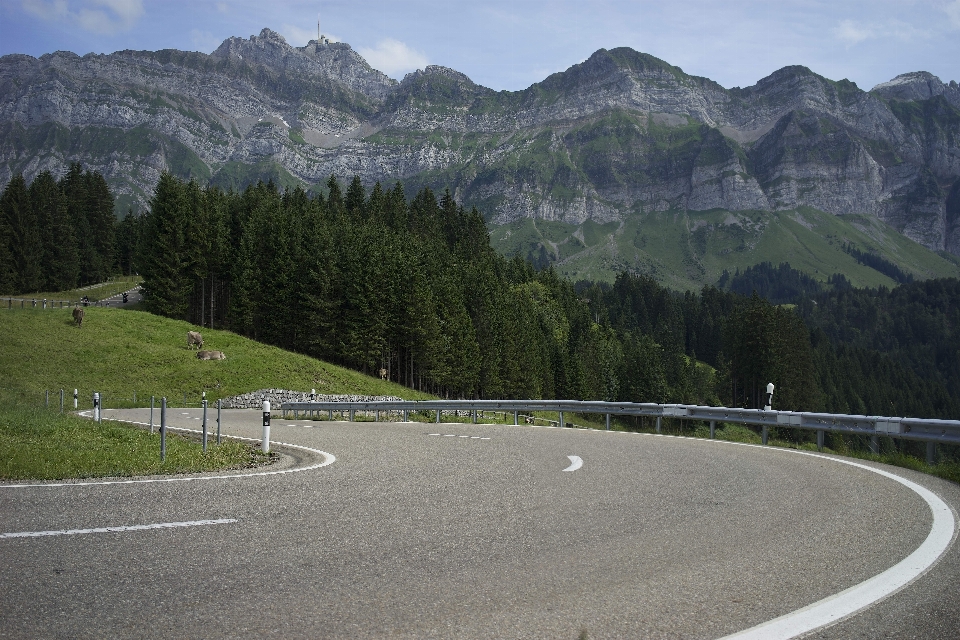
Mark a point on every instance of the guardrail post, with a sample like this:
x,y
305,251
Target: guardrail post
x,y
516,418
764,434
218,421
204,426
163,429
931,453
561,419
438,416
406,415
659,418
713,429
819,439
608,422
473,416
265,445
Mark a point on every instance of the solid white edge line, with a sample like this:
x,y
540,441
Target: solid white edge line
x,y
329,459
844,604
575,463
135,527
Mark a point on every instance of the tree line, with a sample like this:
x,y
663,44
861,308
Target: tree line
x,y
374,280
57,235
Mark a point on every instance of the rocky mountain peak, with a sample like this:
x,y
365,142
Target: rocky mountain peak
x,y
918,85
439,71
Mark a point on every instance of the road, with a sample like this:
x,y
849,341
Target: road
x,y
473,531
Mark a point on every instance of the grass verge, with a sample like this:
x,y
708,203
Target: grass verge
x,y
42,444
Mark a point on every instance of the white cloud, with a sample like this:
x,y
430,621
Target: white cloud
x,y
298,36
55,10
393,57
204,40
952,9
97,16
850,32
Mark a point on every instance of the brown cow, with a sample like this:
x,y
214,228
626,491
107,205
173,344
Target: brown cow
x,y
78,315
194,338
210,355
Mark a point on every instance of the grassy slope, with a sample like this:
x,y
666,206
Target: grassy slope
x,y
688,249
118,352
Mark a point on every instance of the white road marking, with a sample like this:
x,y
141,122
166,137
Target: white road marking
x,y
136,527
848,602
575,463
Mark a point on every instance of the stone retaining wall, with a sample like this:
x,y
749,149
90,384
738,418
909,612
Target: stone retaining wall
x,y
254,399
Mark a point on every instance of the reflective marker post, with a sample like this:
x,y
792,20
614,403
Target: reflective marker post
x,y
204,425
163,429
96,406
74,398
767,406
266,427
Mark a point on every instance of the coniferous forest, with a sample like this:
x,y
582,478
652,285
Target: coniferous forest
x,y
375,279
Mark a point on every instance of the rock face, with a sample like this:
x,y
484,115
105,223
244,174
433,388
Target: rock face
x,y
618,135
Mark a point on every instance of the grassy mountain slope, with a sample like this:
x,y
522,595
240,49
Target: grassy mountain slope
x,y
118,352
689,249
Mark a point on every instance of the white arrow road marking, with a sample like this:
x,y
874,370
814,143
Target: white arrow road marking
x,y
575,463
136,527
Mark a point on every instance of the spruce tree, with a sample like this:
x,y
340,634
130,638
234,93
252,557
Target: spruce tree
x,y
24,242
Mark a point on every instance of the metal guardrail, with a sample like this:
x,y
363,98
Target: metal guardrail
x,y
7,302
924,430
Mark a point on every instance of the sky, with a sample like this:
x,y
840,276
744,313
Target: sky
x,y
511,44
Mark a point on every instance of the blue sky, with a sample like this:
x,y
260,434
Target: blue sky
x,y
512,44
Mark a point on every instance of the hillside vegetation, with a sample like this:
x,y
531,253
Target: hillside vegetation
x,y
686,250
119,352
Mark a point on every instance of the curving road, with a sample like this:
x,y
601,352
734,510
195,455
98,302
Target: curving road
x,y
472,531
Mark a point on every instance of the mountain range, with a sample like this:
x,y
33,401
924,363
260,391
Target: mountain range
x,y
566,169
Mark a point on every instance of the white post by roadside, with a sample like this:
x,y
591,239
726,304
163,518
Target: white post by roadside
x,y
75,392
96,406
767,406
266,426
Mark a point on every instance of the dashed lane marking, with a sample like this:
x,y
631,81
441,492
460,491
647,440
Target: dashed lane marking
x,y
136,527
454,435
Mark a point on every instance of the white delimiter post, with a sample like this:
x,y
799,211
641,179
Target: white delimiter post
x,y
767,406
266,426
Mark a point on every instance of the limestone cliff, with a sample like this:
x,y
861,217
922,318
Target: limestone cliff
x,y
621,134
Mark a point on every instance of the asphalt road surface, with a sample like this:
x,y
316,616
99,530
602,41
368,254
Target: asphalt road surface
x,y
472,531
